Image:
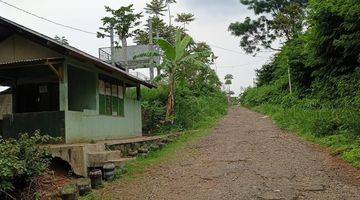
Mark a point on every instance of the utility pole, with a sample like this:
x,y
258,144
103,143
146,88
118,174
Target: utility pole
x,y
112,46
289,75
151,49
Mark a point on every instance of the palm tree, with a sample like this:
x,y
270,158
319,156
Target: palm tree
x,y
168,2
174,57
185,18
156,7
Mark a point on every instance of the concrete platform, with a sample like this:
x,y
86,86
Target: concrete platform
x,y
82,156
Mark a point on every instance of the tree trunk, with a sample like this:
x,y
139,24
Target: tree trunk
x,y
171,100
169,14
124,46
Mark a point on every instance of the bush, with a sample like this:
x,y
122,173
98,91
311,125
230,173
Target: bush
x,y
263,95
21,161
191,109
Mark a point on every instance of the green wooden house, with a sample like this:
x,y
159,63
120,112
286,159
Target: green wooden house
x,y
62,91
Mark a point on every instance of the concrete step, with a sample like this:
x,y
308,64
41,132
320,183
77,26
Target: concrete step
x,y
120,162
98,159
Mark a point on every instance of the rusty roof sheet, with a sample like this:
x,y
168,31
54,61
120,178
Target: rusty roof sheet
x,y
33,61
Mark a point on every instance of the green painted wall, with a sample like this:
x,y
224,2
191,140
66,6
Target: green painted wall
x,y
82,86
87,126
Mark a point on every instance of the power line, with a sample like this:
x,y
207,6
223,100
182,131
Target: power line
x,y
94,33
240,65
233,51
48,20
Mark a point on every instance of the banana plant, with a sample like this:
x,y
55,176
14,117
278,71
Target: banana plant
x,y
175,58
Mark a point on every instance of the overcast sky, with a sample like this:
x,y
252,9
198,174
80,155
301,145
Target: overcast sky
x,y
212,20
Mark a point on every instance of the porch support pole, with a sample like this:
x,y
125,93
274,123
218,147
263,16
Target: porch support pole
x,y
58,73
63,88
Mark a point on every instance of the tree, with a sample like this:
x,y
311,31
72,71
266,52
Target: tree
x,y
62,40
122,21
228,80
174,57
166,32
156,7
280,19
168,2
185,18
265,75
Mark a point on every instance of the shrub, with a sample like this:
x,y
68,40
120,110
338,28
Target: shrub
x,y
191,109
21,161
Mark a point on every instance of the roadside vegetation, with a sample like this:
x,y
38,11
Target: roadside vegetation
x,y
321,99
21,163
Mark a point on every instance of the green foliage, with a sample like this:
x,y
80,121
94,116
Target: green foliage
x,y
337,129
159,29
156,7
21,161
282,19
185,18
325,70
191,108
122,20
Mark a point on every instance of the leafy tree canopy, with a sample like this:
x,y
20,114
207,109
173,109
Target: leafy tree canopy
x,y
277,19
185,18
156,7
123,20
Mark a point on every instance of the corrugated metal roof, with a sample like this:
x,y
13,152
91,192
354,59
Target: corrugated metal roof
x,y
32,61
69,50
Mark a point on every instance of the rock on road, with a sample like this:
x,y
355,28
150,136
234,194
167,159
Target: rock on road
x,y
247,157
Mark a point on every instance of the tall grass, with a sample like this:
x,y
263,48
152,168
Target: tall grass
x,y
338,129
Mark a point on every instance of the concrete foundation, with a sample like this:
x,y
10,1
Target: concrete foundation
x,y
83,156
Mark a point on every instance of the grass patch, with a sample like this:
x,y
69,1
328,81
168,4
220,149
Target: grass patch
x,y
139,166
326,127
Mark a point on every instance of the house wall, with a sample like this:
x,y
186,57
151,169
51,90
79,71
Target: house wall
x,y
87,124
81,89
83,126
18,48
5,105
51,123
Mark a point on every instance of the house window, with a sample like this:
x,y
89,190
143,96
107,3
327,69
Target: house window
x,y
111,98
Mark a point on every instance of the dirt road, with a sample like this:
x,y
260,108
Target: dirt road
x,y
247,157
